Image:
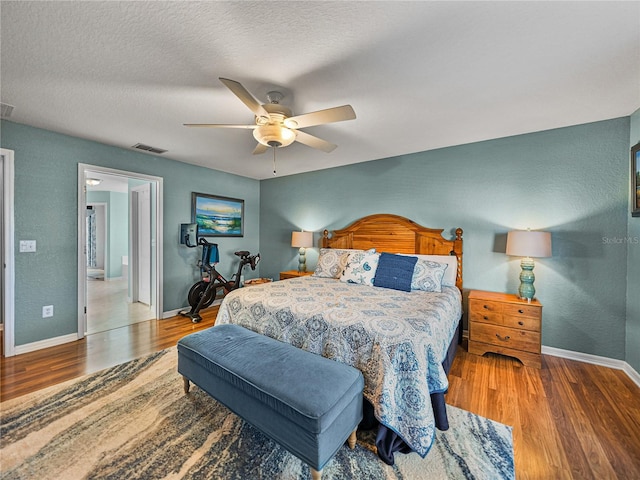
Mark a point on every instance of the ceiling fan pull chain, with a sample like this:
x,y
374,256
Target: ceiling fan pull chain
x,y
274,161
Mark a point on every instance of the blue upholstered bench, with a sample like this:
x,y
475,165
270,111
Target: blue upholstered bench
x,y
307,403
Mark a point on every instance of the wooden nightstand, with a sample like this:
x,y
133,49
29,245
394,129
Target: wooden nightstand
x,y
502,323
293,274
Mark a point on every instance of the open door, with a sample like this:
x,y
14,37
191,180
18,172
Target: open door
x,y
141,243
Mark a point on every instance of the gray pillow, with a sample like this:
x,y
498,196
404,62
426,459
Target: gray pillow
x,y
332,261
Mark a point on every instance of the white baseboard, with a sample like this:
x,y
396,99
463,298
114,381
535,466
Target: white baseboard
x,y
633,375
173,313
49,342
595,360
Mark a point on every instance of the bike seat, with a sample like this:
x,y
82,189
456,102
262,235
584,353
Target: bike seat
x,y
242,253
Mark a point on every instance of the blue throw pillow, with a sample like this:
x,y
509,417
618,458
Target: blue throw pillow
x,y
395,271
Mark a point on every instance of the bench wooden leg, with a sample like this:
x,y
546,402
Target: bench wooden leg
x,y
315,474
352,439
185,381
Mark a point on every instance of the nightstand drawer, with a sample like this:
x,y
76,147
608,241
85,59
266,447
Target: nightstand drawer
x,y
485,306
521,310
485,316
525,323
526,341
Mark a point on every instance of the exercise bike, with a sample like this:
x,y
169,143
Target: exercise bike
x,y
203,293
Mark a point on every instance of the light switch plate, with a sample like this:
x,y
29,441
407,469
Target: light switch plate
x,y
27,245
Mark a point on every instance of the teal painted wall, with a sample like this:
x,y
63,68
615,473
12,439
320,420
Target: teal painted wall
x,y
633,271
46,171
570,181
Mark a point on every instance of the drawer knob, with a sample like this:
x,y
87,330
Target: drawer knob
x,y
520,311
504,339
520,323
485,307
485,317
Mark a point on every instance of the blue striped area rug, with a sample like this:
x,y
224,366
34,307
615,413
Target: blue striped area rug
x,y
133,421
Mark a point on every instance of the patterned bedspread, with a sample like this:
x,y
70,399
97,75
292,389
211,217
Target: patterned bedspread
x,y
397,339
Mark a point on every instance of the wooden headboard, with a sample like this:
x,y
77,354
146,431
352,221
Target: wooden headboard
x,y
396,234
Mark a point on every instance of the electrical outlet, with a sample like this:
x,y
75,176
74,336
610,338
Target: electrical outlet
x,y
47,311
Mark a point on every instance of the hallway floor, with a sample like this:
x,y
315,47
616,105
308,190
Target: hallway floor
x,y
108,308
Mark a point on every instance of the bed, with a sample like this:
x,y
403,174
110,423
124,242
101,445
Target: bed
x,y
402,341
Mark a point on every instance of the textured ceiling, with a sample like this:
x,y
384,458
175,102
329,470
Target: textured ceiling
x,y
420,75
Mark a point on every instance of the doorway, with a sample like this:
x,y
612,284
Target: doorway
x,y
122,217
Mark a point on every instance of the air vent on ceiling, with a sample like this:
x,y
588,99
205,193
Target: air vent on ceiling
x,y
6,110
147,148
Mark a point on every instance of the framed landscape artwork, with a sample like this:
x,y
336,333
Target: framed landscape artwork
x,y
635,180
217,216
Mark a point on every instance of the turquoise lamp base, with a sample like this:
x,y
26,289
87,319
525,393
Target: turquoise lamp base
x,y
527,291
302,260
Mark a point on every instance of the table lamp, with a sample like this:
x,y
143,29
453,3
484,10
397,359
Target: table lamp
x,y
303,240
528,244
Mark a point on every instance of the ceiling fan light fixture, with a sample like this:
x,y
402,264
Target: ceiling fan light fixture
x,y
275,126
262,120
274,135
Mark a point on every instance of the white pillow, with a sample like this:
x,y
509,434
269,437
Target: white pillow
x,y
331,262
449,278
427,276
360,267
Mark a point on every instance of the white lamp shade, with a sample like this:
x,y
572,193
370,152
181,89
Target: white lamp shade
x,y
302,239
525,243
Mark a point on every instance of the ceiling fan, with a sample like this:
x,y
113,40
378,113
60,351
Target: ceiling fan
x,y
274,124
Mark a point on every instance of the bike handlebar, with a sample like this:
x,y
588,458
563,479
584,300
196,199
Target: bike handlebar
x,y
245,259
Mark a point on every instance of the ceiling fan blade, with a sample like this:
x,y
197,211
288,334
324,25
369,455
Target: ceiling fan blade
x,y
243,94
330,115
260,148
219,125
314,142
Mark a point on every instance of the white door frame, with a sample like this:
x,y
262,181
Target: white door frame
x,y
9,252
82,261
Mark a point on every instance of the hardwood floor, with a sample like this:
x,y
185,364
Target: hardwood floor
x,y
570,420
